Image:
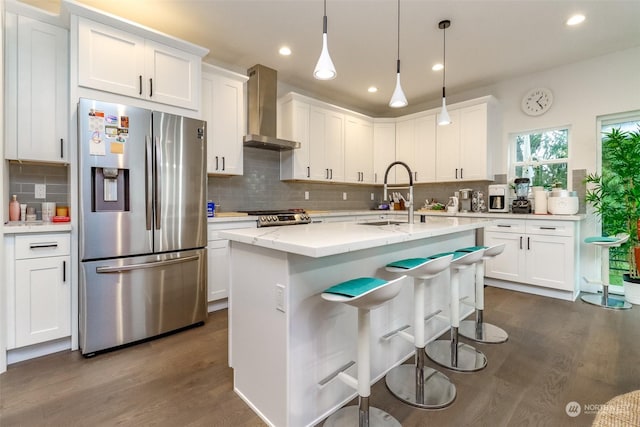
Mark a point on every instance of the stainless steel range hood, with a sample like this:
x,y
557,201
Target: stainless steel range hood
x,y
261,114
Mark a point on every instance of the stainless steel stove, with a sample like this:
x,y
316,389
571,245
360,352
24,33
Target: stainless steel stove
x,y
269,218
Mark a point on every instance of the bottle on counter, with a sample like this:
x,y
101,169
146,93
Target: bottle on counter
x,y
14,209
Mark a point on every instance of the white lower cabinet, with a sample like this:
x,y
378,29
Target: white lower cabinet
x,y
218,258
40,294
540,253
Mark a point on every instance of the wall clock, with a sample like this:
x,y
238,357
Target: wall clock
x,y
537,101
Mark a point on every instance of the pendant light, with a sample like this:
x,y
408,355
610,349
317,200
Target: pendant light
x,y
325,70
444,115
398,99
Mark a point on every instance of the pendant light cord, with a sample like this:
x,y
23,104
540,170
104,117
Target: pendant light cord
x,y
444,57
398,36
324,19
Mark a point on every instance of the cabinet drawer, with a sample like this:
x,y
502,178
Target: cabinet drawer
x,y
42,245
550,228
508,226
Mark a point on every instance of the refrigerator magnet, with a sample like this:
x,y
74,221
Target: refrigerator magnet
x,y
116,148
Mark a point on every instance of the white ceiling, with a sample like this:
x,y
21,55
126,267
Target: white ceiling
x,y
488,41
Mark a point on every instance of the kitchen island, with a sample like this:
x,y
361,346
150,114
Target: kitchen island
x,y
284,338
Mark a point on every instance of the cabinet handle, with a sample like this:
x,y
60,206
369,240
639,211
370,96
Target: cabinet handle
x,y
528,243
150,88
61,148
326,174
456,173
308,172
547,228
331,173
461,169
43,245
520,242
140,84
216,162
504,226
223,163
375,177
416,176
64,271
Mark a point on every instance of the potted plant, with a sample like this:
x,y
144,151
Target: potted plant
x,y
615,196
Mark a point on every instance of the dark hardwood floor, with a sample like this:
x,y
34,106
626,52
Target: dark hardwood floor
x,y
558,352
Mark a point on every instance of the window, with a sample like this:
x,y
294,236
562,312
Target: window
x,y
543,157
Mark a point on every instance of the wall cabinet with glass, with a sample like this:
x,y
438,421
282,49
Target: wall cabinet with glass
x,y
223,101
113,60
37,90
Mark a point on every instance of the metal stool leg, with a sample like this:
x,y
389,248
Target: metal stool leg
x,y
605,300
452,354
417,384
478,330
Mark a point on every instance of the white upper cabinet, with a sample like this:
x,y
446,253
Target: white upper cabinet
x,y
384,151
320,131
358,148
463,148
117,61
37,91
223,100
416,146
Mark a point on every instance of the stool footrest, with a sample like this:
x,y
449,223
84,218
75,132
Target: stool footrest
x,y
395,332
465,301
433,315
335,373
591,281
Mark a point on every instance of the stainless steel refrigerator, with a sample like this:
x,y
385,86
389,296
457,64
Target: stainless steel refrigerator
x,y
142,224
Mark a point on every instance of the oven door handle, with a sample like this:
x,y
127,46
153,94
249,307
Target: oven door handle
x,y
129,267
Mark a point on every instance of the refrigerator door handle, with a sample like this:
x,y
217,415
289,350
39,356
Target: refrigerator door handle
x,y
129,267
148,178
158,180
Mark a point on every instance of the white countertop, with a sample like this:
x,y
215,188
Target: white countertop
x,y
323,239
18,227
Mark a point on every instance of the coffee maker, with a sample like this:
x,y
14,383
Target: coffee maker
x,y
499,198
466,195
521,205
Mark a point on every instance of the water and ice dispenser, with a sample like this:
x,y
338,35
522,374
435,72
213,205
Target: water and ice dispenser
x,y
110,189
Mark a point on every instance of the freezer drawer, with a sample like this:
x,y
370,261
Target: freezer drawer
x,y
129,299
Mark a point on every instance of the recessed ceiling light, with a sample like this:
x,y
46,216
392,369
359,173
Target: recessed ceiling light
x,y
437,67
372,89
285,51
575,19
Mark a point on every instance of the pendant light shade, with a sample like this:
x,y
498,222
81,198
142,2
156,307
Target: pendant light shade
x,y
398,99
325,70
444,114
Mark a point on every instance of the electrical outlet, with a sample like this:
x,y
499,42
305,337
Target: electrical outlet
x,y
280,298
41,191
372,197
306,195
344,196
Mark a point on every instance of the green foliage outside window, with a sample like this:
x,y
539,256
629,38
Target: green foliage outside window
x,y
543,157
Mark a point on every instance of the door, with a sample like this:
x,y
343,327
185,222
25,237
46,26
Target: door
x,y
128,299
112,136
550,261
510,264
180,178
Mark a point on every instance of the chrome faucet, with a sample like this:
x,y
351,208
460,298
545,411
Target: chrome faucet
x,y
410,201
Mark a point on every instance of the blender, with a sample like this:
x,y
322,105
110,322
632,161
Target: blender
x,y
521,204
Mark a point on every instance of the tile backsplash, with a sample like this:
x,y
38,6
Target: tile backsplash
x,y
23,178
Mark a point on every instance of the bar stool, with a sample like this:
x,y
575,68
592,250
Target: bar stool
x,y
363,293
479,330
604,300
417,384
451,353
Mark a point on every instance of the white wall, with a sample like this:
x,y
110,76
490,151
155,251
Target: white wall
x,y
582,91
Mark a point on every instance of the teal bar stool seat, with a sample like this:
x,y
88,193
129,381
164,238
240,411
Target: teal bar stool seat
x,y
604,300
479,330
451,353
364,293
417,384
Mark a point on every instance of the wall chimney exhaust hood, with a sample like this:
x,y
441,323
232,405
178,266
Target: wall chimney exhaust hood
x,y
261,113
